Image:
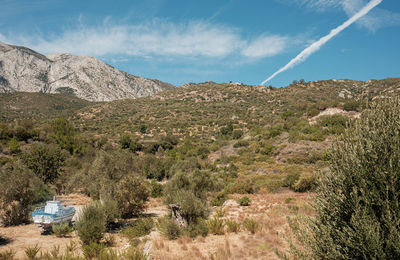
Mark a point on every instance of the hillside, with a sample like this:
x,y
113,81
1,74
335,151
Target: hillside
x,y
24,70
38,106
239,160
210,106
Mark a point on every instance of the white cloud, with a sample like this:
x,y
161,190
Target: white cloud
x,y
155,38
378,18
158,38
265,46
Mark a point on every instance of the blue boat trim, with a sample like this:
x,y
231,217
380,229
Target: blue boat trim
x,y
42,213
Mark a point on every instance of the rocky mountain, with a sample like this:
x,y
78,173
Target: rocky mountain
x,y
24,70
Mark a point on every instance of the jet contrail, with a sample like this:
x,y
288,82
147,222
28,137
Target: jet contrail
x,y
318,44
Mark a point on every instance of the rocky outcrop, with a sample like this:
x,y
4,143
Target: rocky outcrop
x,y
24,70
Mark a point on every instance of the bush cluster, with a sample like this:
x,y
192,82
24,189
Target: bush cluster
x,y
357,201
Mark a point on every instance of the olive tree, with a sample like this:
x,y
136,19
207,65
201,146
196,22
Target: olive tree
x,y
358,201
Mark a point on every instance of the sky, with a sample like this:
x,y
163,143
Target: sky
x,y
243,41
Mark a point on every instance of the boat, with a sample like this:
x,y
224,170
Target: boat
x,y
52,213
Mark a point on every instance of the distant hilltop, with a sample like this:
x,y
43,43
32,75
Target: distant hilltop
x,y
24,70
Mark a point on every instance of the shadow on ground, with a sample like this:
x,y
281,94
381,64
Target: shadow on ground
x,y
4,240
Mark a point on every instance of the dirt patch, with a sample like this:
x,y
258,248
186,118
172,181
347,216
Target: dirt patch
x,y
227,150
25,236
334,111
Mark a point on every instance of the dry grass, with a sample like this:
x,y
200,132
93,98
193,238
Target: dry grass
x,y
270,210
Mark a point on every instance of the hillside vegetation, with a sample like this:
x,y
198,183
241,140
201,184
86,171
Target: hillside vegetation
x,y
193,147
38,106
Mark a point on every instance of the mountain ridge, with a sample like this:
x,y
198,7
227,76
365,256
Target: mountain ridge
x,y
25,70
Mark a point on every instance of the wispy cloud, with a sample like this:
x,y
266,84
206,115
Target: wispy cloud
x,y
158,38
375,20
265,46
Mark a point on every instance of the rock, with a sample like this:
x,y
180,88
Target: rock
x,y
230,203
147,248
176,214
24,70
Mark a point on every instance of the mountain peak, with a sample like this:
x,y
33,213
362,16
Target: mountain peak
x,y
24,70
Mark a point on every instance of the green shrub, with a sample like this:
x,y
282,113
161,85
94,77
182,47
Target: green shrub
x,y
16,194
156,189
45,161
203,152
125,141
92,250
335,124
91,224
315,156
111,211
13,145
139,228
220,212
289,200
200,228
274,130
24,130
31,252
291,178
62,229
203,182
192,207
352,105
4,160
189,191
169,228
142,129
319,135
298,158
267,149
306,182
226,130
63,133
241,143
131,194
251,225
219,199
216,226
242,186
232,226
244,201
357,203
312,112
236,134
5,131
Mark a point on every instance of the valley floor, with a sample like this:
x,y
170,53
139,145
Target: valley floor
x,y
270,210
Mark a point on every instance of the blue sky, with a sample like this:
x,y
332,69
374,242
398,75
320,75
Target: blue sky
x,y
221,40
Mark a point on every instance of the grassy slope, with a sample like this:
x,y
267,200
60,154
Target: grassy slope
x,y
200,110
38,106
